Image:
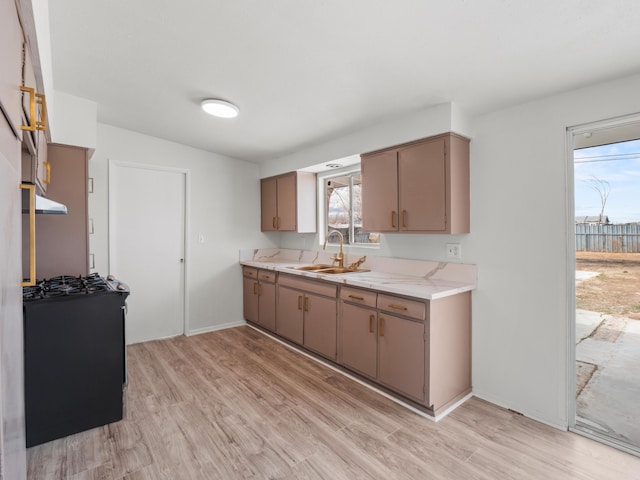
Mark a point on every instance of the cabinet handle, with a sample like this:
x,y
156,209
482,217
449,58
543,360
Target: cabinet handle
x,y
355,297
259,289
255,288
393,219
380,330
306,304
273,222
32,234
47,178
404,218
34,98
371,319
397,307
299,302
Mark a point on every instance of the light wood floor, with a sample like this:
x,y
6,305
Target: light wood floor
x,y
236,404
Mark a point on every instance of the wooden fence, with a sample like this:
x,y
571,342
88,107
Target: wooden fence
x,y
608,238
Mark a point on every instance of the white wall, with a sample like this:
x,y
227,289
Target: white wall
x,y
223,202
518,237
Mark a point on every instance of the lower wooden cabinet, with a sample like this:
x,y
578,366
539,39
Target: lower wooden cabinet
x,y
307,314
320,325
359,334
401,355
289,320
419,349
259,297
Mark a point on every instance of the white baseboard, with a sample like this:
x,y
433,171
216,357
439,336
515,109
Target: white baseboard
x,y
215,328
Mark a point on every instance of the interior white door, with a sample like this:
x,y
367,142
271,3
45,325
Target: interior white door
x,y
146,247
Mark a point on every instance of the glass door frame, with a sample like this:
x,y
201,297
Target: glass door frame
x,y
571,133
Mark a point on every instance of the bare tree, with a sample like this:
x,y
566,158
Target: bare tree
x,y
603,188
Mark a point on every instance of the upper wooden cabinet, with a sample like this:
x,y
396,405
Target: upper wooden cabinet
x,y
62,242
421,186
11,48
288,203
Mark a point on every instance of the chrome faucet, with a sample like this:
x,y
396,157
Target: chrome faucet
x,y
340,256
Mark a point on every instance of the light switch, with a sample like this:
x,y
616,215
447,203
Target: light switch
x,y
200,238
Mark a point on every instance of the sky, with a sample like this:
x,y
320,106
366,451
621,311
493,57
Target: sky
x,y
617,164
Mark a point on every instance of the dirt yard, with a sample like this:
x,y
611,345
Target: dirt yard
x,y
616,290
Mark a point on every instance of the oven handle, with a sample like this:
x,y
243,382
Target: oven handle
x,y
32,234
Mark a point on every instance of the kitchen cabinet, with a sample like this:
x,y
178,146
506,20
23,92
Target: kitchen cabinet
x,y
417,348
381,345
62,241
11,47
401,342
421,186
36,168
359,331
288,203
307,314
259,294
289,316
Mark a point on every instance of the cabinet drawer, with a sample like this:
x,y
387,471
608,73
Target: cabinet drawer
x,y
359,297
402,306
267,276
250,272
320,288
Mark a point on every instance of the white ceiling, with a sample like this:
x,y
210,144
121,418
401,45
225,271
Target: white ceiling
x,y
306,71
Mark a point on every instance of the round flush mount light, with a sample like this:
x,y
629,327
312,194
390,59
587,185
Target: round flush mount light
x,y
333,165
219,108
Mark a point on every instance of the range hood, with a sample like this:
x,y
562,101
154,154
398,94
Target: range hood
x,y
43,205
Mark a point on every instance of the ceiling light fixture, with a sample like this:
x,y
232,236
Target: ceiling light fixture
x,y
219,108
333,165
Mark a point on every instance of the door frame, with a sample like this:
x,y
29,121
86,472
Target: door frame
x,y
571,273
112,165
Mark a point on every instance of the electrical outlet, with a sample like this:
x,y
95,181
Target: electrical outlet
x,y
454,250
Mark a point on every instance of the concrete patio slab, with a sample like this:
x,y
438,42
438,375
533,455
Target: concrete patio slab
x,y
610,401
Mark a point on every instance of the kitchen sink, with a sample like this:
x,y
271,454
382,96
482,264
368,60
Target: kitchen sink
x,y
318,266
337,270
327,269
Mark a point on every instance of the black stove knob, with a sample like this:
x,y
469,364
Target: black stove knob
x,y
111,278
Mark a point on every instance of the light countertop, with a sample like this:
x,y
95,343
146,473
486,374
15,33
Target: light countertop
x,y
422,279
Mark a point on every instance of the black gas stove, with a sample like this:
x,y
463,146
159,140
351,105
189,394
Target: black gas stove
x,y
74,355
64,285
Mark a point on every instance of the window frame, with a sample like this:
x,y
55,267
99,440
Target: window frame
x,y
323,227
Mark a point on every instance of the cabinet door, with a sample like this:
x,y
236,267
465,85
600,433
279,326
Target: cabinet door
x,y
286,220
401,355
358,336
380,192
11,41
421,187
320,326
268,204
267,306
62,242
250,299
289,313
